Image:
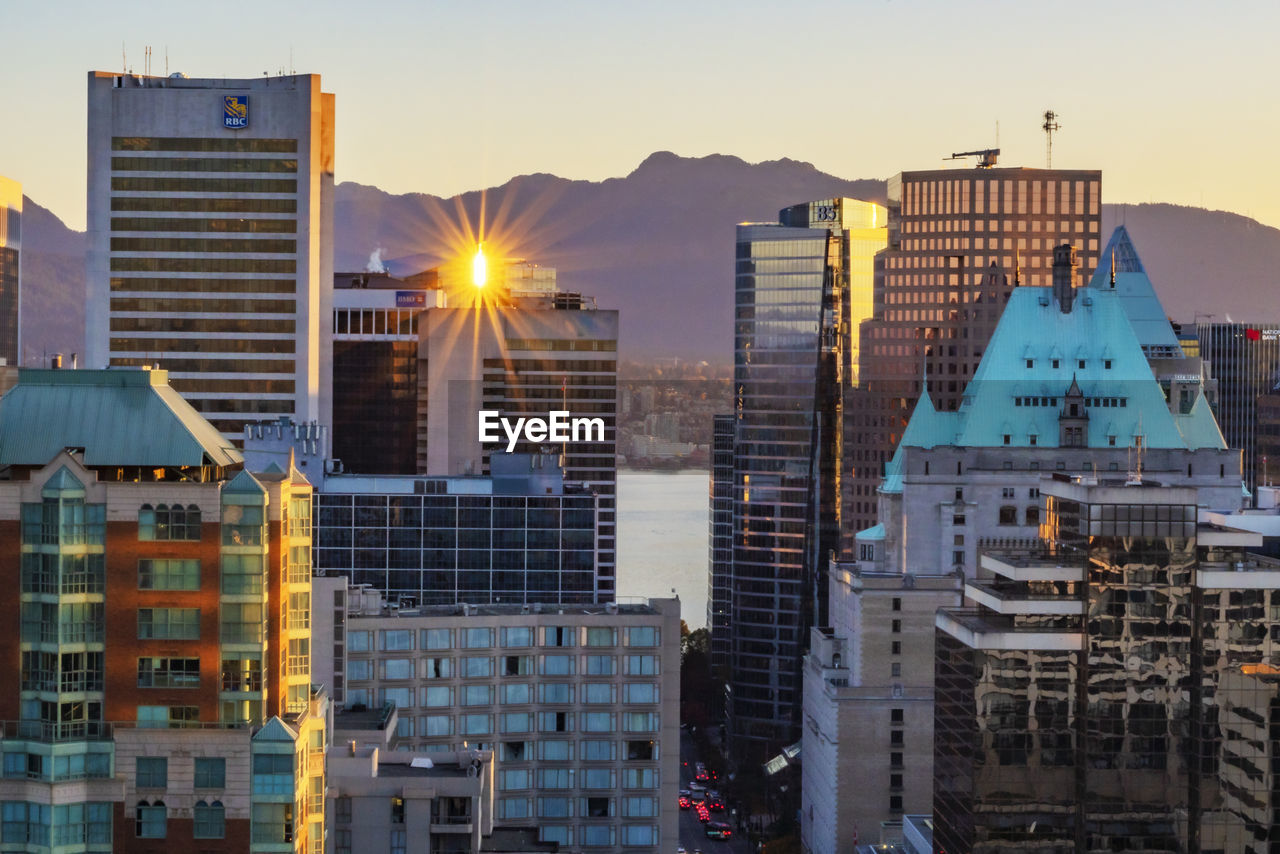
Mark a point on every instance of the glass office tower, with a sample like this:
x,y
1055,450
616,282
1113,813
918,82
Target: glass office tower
x,y
10,245
791,367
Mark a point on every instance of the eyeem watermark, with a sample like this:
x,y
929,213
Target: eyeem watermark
x,y
557,427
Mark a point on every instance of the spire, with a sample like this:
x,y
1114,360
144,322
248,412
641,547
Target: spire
x,y
1113,268
1017,267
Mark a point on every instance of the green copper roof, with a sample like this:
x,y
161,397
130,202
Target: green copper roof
x,y
119,417
1036,353
244,484
875,532
1137,293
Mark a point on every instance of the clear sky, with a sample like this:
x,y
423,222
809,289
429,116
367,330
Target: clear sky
x,y
1174,101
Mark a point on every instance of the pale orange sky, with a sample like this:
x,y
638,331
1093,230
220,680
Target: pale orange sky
x,y
1175,102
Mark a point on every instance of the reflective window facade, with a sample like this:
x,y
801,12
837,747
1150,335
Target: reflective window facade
x,y
1137,721
791,364
10,245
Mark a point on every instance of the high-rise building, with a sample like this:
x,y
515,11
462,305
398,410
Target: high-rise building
x,y
792,365
519,535
158,627
960,240
720,545
1098,697
579,704
210,232
522,356
375,370
1065,384
10,269
1245,361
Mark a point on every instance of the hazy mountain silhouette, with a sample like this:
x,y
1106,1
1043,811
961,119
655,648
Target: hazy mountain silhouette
x,y
658,245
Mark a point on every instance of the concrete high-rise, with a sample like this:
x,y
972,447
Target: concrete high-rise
x,y
210,233
158,627
10,270
792,365
960,240
522,356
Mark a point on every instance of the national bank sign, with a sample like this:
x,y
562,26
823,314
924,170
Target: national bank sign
x,y
235,111
559,426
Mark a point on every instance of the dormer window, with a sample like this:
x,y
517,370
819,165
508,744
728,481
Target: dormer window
x,y
1055,363
1031,363
1106,364
1006,438
1080,363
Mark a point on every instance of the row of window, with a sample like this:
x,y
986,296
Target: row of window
x,y
510,637
514,694
44,825
483,667
589,807
151,820
508,723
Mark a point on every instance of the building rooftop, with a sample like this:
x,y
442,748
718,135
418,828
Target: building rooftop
x,y
638,608
1137,294
120,417
1034,359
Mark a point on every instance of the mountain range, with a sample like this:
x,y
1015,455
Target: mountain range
x,y
658,245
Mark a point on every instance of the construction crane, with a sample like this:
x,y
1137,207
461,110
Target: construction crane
x,y
1049,126
987,157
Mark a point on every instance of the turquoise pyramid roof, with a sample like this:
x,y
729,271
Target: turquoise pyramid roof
x,y
1137,293
244,484
275,730
1006,397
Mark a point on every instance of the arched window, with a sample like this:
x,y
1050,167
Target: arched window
x,y
210,820
1008,515
151,820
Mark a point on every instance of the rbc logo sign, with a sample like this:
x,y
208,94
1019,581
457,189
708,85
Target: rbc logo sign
x,y
235,111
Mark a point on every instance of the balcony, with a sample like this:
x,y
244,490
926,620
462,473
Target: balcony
x,y
1036,561
978,630
1238,570
1004,601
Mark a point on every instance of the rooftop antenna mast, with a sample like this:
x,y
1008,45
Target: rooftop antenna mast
x,y
1050,125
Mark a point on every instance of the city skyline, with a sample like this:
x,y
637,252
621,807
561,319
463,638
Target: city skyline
x,y
511,83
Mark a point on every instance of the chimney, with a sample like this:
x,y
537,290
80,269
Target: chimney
x,y
1065,264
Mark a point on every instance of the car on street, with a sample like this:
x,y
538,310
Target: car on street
x,y
685,803
718,830
697,788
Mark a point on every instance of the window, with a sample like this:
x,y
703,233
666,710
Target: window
x,y
272,823
557,665
438,668
342,810
150,822
273,774
517,636
160,717
476,667
164,522
895,648
642,636
477,638
557,636
211,772
1033,515
210,820
555,778
1006,438
642,665
437,638
555,692
475,724
596,750
242,622
152,772
517,693
1008,515
169,623
395,640
597,807
477,695
895,803
1106,364
243,525
399,841
396,668
896,626
597,835
243,573
437,697
517,665
168,575
555,721
639,834
895,716
639,692
895,669
601,636
436,725
555,750
597,722
639,721
517,751
397,810
510,780
554,808
601,665
897,603
168,672
639,778
958,520
895,738
1006,492
514,807
401,697
358,641
641,750
598,693
895,760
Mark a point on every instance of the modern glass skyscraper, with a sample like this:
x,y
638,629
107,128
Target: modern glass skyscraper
x,y
10,245
791,367
210,229
1245,360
